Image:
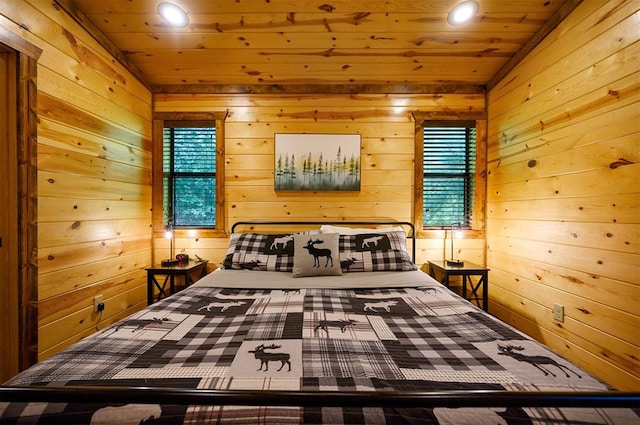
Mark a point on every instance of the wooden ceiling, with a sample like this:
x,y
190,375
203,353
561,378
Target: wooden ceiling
x,y
287,43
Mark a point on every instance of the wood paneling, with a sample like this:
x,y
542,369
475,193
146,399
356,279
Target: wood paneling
x,y
93,177
121,294
563,191
385,122
285,44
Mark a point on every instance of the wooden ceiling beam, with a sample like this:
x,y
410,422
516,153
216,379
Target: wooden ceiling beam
x,y
319,89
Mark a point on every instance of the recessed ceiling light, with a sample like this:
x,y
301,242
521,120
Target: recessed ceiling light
x,y
173,14
462,12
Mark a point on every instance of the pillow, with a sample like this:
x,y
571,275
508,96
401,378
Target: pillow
x,y
374,252
256,251
316,256
327,228
228,256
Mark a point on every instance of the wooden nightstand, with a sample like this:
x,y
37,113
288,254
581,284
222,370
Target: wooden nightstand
x,y
468,269
191,272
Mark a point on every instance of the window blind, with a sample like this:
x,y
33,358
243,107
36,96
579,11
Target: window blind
x,y
448,175
189,166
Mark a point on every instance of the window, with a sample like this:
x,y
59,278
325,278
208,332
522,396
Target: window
x,y
189,176
448,168
450,171
189,186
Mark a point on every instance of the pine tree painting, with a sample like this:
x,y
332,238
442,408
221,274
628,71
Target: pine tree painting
x,y
317,162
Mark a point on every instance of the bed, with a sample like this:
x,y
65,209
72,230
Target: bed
x,y
325,325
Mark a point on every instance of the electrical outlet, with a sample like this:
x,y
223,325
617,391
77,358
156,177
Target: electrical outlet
x,y
98,303
558,312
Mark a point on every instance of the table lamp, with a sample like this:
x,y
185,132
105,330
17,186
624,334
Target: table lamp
x,y
168,234
458,233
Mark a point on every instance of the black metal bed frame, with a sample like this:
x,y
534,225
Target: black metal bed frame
x,y
423,399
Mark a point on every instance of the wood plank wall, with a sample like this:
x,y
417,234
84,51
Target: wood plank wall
x,y
563,191
94,177
386,125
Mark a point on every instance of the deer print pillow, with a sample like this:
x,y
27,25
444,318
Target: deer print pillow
x,y
375,252
316,255
227,263
256,251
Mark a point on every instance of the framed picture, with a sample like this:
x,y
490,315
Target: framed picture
x,y
317,162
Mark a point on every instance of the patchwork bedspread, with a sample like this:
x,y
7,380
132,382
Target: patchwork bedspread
x,y
422,338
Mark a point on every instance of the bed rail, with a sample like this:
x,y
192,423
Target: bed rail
x,y
410,235
426,399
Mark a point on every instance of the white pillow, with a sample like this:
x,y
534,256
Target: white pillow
x,y
316,255
327,228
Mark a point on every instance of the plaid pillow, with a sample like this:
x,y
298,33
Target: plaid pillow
x,y
228,256
256,251
375,252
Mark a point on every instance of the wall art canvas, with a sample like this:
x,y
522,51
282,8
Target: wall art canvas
x,y
317,162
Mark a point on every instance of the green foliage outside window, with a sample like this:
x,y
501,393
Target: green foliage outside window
x,y
189,167
448,175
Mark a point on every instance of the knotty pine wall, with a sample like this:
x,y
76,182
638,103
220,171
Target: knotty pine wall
x,y
387,129
94,177
563,191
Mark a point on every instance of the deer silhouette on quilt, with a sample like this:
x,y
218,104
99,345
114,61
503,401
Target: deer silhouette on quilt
x,y
265,358
342,324
318,252
535,361
374,306
224,305
127,414
139,324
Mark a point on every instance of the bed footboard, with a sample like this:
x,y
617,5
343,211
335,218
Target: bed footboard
x,y
424,399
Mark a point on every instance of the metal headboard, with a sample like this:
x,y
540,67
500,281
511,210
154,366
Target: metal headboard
x,y
410,235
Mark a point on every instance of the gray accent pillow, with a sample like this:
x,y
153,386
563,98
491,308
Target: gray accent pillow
x,y
316,255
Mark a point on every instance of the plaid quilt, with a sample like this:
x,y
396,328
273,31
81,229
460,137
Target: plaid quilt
x,y
313,340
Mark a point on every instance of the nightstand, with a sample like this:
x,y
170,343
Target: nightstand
x,y
466,270
191,272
